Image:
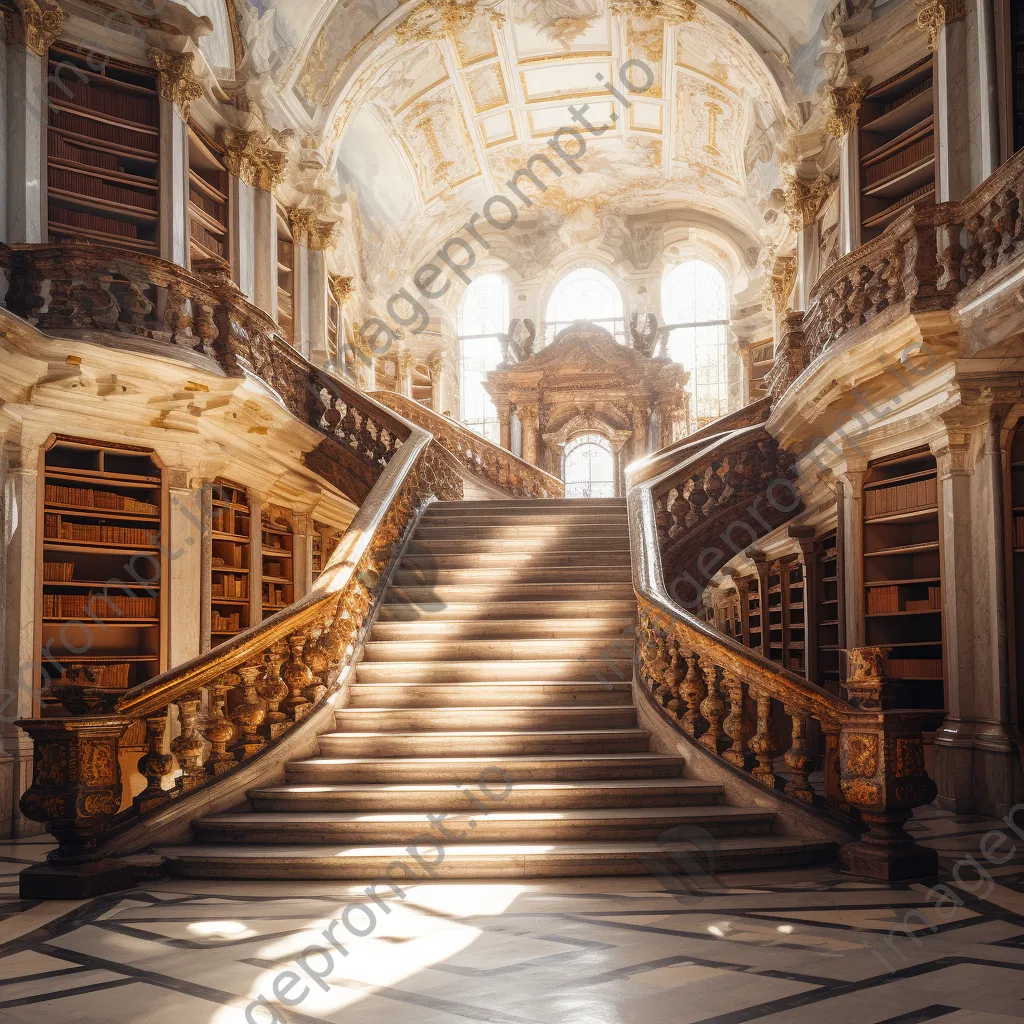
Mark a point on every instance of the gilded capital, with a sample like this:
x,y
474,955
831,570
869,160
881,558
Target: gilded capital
x,y
804,200
932,15
311,230
42,24
342,288
843,105
254,159
780,284
178,81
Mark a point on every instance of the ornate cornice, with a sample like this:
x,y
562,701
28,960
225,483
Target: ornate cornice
x,y
932,15
254,159
675,12
311,230
804,200
843,105
440,18
42,24
178,81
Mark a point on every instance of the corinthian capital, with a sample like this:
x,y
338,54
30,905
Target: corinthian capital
x,y
42,24
311,229
843,105
178,81
254,159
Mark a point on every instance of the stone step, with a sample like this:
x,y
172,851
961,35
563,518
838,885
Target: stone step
x,y
501,718
518,559
499,629
486,824
479,860
526,506
611,670
506,527
480,611
489,694
506,592
591,649
524,546
498,773
522,796
572,578
490,743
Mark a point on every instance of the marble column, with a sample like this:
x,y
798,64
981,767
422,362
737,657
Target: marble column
x,y
504,407
851,514
640,417
265,256
25,123
529,417
174,232
849,193
302,548
188,584
301,298
808,242
316,308
243,235
22,665
206,493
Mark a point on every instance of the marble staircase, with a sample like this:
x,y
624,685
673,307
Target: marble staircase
x,y
490,730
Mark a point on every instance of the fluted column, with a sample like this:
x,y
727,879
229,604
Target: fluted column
x,y
504,407
529,417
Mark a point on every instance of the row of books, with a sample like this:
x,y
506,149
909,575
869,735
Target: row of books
x,y
105,606
226,523
886,600
93,222
97,188
229,556
913,154
113,674
206,239
124,105
87,497
58,572
274,569
275,595
102,132
1018,531
880,501
933,602
275,542
61,149
54,528
915,668
225,623
229,586
209,206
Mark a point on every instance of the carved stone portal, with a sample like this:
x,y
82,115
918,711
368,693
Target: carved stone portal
x,y
586,383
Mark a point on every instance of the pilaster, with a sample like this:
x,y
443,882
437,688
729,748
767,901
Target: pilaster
x,y
316,306
188,584
25,124
174,184
242,204
256,500
302,548
851,515
265,255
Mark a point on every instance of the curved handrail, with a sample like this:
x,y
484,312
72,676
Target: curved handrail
x,y
489,462
707,684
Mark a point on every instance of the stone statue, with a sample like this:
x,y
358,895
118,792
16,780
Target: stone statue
x,y
643,328
518,343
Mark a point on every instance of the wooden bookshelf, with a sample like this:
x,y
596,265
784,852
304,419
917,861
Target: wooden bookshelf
x,y
897,147
750,610
103,152
324,540
285,277
762,358
1016,556
1016,48
902,573
207,200
278,543
828,639
101,568
231,565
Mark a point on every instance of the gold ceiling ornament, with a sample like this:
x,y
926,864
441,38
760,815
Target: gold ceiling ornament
x,y
178,80
254,159
804,200
932,15
342,288
310,229
843,105
42,24
675,12
437,19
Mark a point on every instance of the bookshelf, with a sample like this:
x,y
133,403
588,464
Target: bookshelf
x,y
897,147
1016,10
207,200
902,573
762,358
278,544
828,640
749,588
101,568
231,564
103,152
1016,532
285,277
793,595
324,540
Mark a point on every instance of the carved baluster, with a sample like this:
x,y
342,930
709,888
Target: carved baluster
x,y
712,707
154,766
219,730
798,760
735,724
297,677
763,743
204,325
692,692
178,319
673,680
248,716
188,746
273,690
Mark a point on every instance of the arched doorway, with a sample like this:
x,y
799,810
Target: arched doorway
x,y
589,467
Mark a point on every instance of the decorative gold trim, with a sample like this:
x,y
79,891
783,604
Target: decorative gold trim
x,y
439,19
178,81
933,15
804,200
843,105
42,24
310,230
254,159
674,12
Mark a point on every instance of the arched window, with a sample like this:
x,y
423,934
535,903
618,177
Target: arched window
x,y
483,316
694,295
589,468
586,294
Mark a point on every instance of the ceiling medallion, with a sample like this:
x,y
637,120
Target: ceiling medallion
x,y
440,18
675,12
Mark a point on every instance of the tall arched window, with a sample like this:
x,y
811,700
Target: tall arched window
x,y
483,317
589,468
693,295
586,294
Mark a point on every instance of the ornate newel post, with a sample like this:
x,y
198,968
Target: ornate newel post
x,y
882,774
76,791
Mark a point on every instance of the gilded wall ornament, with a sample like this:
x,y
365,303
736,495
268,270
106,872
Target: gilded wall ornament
x,y
441,18
254,159
932,15
843,105
178,81
804,200
780,284
342,288
42,22
675,12
311,230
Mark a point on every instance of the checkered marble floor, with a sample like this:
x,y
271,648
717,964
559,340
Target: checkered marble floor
x,y
785,947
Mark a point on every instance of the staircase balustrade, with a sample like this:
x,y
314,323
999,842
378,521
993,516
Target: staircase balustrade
x,y
482,458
